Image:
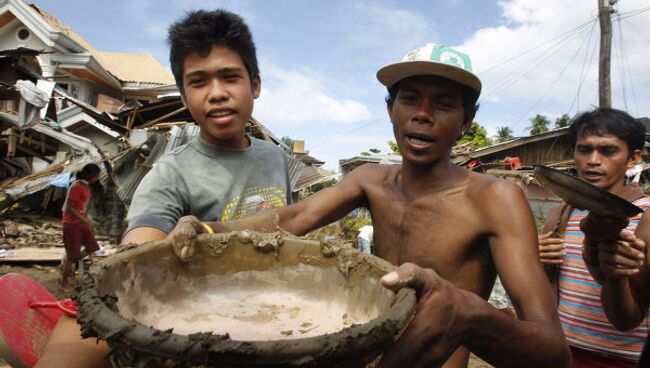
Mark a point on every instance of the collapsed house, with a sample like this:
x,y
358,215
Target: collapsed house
x,y
64,104
515,159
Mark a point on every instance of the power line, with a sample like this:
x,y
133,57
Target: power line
x,y
536,47
552,84
327,141
547,53
633,13
522,70
626,64
620,61
639,32
584,72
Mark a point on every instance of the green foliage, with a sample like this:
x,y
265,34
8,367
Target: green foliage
x,y
350,226
288,141
375,150
538,124
394,148
322,185
477,134
503,134
365,153
562,121
316,188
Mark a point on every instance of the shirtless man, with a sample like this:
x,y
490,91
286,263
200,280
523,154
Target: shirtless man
x,y
461,228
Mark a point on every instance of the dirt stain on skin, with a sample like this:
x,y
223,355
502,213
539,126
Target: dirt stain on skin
x,y
246,299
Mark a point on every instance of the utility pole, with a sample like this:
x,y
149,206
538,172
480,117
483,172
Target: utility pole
x,y
605,9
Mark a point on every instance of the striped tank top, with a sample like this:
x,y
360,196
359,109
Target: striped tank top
x,y
581,312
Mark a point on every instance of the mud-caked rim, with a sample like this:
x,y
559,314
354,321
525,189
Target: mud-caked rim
x,y
137,342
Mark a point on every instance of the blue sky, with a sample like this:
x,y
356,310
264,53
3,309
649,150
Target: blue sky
x,y
318,59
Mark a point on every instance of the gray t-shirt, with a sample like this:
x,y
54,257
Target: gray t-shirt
x,y
211,183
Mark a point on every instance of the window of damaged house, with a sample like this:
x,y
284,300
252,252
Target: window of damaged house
x,y
72,89
23,34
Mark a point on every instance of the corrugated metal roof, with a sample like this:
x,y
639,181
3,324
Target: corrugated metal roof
x,y
128,174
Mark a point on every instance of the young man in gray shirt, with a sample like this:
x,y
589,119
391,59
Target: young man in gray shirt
x,y
223,174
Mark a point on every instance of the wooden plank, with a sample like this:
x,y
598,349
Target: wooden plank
x,y
162,118
36,254
32,254
106,103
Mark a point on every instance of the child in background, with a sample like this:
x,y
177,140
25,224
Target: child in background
x,y
76,223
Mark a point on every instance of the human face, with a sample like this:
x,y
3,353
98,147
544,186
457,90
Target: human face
x,y
219,94
428,117
603,160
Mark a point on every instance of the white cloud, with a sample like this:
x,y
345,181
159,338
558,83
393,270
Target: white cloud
x,y
548,76
337,147
244,8
301,96
379,27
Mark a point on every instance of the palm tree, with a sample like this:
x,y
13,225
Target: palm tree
x,y
562,121
476,134
503,134
538,124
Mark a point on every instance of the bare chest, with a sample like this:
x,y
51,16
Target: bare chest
x,y
441,232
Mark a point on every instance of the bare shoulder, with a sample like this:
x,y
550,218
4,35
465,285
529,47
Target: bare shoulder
x,y
488,188
376,169
373,173
494,196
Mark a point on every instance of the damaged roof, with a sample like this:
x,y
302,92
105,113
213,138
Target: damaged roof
x,y
128,68
137,68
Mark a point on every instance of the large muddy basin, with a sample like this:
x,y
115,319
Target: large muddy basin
x,y
244,300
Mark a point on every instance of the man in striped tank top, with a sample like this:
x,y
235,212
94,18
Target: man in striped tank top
x,y
600,309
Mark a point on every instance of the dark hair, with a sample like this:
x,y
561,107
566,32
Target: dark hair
x,y
88,171
604,121
468,97
199,30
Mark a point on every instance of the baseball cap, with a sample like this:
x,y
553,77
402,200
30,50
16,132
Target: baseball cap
x,y
432,59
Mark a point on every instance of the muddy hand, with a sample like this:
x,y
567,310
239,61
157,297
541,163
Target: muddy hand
x,y
429,339
183,237
551,250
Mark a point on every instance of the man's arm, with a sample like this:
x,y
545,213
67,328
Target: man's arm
x,y
551,246
65,348
448,317
330,204
622,268
141,235
319,209
537,338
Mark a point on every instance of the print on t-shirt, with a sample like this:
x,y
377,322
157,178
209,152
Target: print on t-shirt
x,y
253,200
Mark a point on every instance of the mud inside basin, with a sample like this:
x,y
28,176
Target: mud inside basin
x,y
245,299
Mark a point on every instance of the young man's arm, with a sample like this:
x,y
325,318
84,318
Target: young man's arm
x,y
317,210
159,201
622,267
141,235
448,317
